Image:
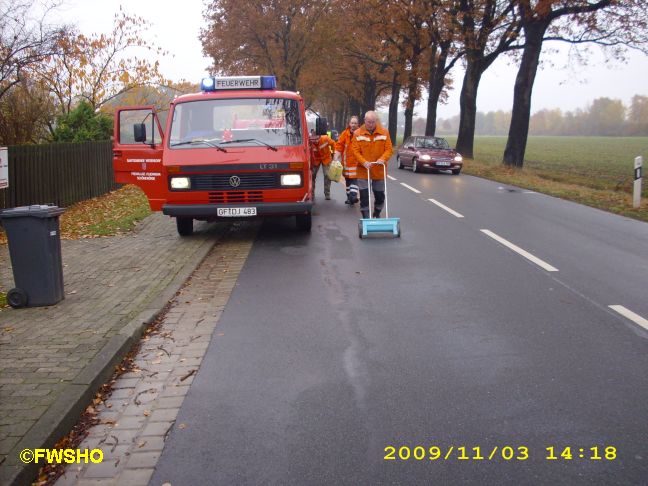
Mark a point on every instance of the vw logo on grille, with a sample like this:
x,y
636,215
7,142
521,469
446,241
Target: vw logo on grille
x,y
235,181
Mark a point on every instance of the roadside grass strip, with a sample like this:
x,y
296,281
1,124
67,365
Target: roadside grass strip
x,y
636,318
411,188
517,249
442,206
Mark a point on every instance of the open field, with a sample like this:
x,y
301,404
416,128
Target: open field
x,y
596,162
597,171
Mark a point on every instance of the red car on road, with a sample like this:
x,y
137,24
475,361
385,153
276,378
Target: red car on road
x,y
431,153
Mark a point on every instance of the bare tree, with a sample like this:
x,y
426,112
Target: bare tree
x,y
444,53
488,28
26,39
614,24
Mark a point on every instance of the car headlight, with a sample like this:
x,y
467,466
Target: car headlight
x,y
458,158
180,183
291,180
425,157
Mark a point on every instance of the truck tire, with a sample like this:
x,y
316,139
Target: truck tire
x,y
304,221
185,226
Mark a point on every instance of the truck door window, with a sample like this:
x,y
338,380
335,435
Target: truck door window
x,y
128,118
273,121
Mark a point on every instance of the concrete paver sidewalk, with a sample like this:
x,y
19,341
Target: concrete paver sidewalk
x,y
135,421
53,359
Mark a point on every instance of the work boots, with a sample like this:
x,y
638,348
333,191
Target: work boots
x,y
376,213
365,213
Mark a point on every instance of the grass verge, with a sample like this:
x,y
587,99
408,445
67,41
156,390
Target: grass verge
x,y
111,214
595,171
618,202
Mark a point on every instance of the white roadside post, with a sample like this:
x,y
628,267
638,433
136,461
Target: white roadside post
x,y
636,193
4,168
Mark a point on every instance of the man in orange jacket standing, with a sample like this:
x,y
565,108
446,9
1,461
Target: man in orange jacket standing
x,y
323,147
371,143
344,154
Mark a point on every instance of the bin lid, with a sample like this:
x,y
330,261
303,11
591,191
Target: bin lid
x,y
34,211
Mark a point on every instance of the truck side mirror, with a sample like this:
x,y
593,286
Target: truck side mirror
x,y
139,132
321,126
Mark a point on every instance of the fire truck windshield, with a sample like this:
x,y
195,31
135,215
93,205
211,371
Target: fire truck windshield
x,y
239,122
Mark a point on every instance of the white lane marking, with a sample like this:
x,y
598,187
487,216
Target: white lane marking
x,y
451,211
392,178
411,188
519,250
636,318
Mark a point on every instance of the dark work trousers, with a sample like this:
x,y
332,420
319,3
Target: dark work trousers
x,y
378,187
352,190
327,181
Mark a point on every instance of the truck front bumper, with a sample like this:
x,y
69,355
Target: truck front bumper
x,y
210,211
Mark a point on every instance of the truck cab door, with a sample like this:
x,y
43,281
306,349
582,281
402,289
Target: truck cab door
x,y
137,149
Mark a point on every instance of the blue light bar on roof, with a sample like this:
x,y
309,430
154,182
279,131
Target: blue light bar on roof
x,y
207,84
268,82
238,82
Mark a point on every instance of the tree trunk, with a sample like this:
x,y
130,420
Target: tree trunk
x,y
369,95
356,109
468,106
409,110
519,128
436,80
393,108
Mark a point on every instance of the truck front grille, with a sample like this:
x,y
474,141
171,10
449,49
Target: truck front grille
x,y
234,197
225,182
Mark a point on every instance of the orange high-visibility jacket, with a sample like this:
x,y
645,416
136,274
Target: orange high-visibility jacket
x,y
371,147
343,145
323,151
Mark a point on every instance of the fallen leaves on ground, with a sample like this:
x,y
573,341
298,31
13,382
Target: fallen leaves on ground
x,y
108,215
111,214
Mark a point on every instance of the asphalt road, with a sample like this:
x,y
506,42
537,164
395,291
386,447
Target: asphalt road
x,y
333,349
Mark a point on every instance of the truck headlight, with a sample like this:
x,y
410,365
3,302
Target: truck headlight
x,y
291,180
180,183
458,158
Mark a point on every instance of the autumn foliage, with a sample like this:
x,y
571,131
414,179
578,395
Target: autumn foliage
x,y
45,72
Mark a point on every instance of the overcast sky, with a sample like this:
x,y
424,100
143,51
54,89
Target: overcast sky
x,y
176,27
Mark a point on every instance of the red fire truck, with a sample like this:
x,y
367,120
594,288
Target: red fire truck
x,y
238,149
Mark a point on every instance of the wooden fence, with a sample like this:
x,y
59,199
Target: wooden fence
x,y
58,173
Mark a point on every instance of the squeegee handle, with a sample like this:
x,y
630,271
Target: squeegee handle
x,y
370,188
385,180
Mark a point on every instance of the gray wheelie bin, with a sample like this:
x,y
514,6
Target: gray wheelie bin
x,y
35,249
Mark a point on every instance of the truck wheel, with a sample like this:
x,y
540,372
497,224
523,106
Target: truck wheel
x,y
304,221
17,298
185,226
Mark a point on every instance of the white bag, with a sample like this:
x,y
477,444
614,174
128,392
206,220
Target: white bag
x,y
335,171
